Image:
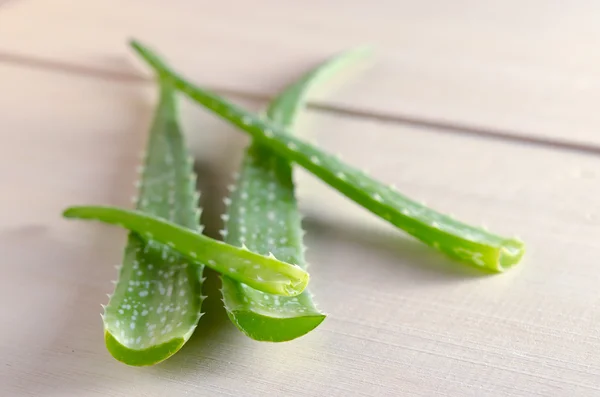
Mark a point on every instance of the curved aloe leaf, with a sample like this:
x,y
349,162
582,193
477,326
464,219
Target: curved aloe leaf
x,y
264,273
468,244
263,215
157,300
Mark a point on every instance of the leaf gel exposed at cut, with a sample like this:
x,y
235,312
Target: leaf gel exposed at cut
x,y
468,244
157,300
263,215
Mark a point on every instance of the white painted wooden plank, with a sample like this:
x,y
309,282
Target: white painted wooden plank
x,y
402,320
525,68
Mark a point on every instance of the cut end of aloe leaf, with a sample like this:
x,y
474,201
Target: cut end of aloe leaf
x,y
511,252
293,284
296,288
283,279
495,256
145,357
266,328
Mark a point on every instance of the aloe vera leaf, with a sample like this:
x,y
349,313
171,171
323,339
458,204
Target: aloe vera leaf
x,y
157,299
263,214
465,243
262,272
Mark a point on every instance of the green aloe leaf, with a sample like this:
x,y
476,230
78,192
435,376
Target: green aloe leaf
x,y
263,214
262,272
466,243
157,299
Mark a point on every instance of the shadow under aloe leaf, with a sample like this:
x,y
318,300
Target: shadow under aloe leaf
x,y
212,189
412,252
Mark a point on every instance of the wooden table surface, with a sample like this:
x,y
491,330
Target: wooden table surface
x,y
488,110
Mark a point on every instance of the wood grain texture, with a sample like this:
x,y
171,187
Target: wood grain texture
x,y
402,320
528,69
